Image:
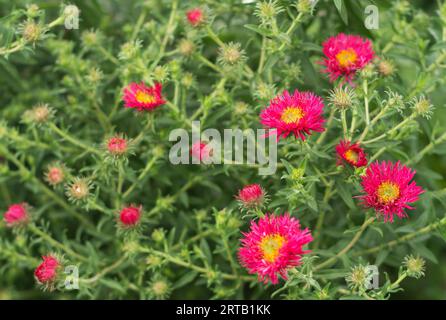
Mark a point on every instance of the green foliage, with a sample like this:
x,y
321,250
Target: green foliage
x,y
221,73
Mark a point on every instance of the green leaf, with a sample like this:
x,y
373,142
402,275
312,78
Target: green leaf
x,y
112,284
345,195
185,279
340,5
204,246
259,30
424,252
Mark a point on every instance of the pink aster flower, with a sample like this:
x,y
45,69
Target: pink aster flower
x,y
16,215
388,189
272,246
201,151
130,216
46,272
353,154
251,196
141,97
117,146
195,16
299,114
55,174
346,54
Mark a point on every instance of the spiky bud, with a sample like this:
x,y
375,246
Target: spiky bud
x,y
414,266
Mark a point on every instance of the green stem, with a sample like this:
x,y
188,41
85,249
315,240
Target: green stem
x,y
350,245
214,37
56,243
366,102
291,28
262,56
427,149
329,123
344,122
109,269
401,124
196,268
73,140
141,176
139,23
407,237
320,220
374,120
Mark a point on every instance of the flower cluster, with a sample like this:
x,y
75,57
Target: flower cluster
x,y
104,192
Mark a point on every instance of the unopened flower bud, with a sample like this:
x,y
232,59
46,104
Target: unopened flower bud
x,y
32,10
264,91
153,261
46,273
159,288
158,235
359,277
395,101
117,146
422,107
267,11
160,73
129,50
90,38
201,151
130,216
31,31
251,196
186,47
306,6
342,98
17,215
78,189
241,108
188,80
386,68
231,54
368,71
297,174
55,174
196,17
415,266
94,76
40,114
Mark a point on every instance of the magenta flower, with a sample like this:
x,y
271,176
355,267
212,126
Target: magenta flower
x,y
117,146
16,215
298,114
143,98
251,196
272,246
195,16
130,216
46,272
388,189
201,151
346,54
351,153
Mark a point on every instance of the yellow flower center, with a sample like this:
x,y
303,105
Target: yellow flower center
x,y
144,97
388,192
351,155
346,57
292,115
270,246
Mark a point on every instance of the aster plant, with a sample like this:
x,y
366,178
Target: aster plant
x,y
86,122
